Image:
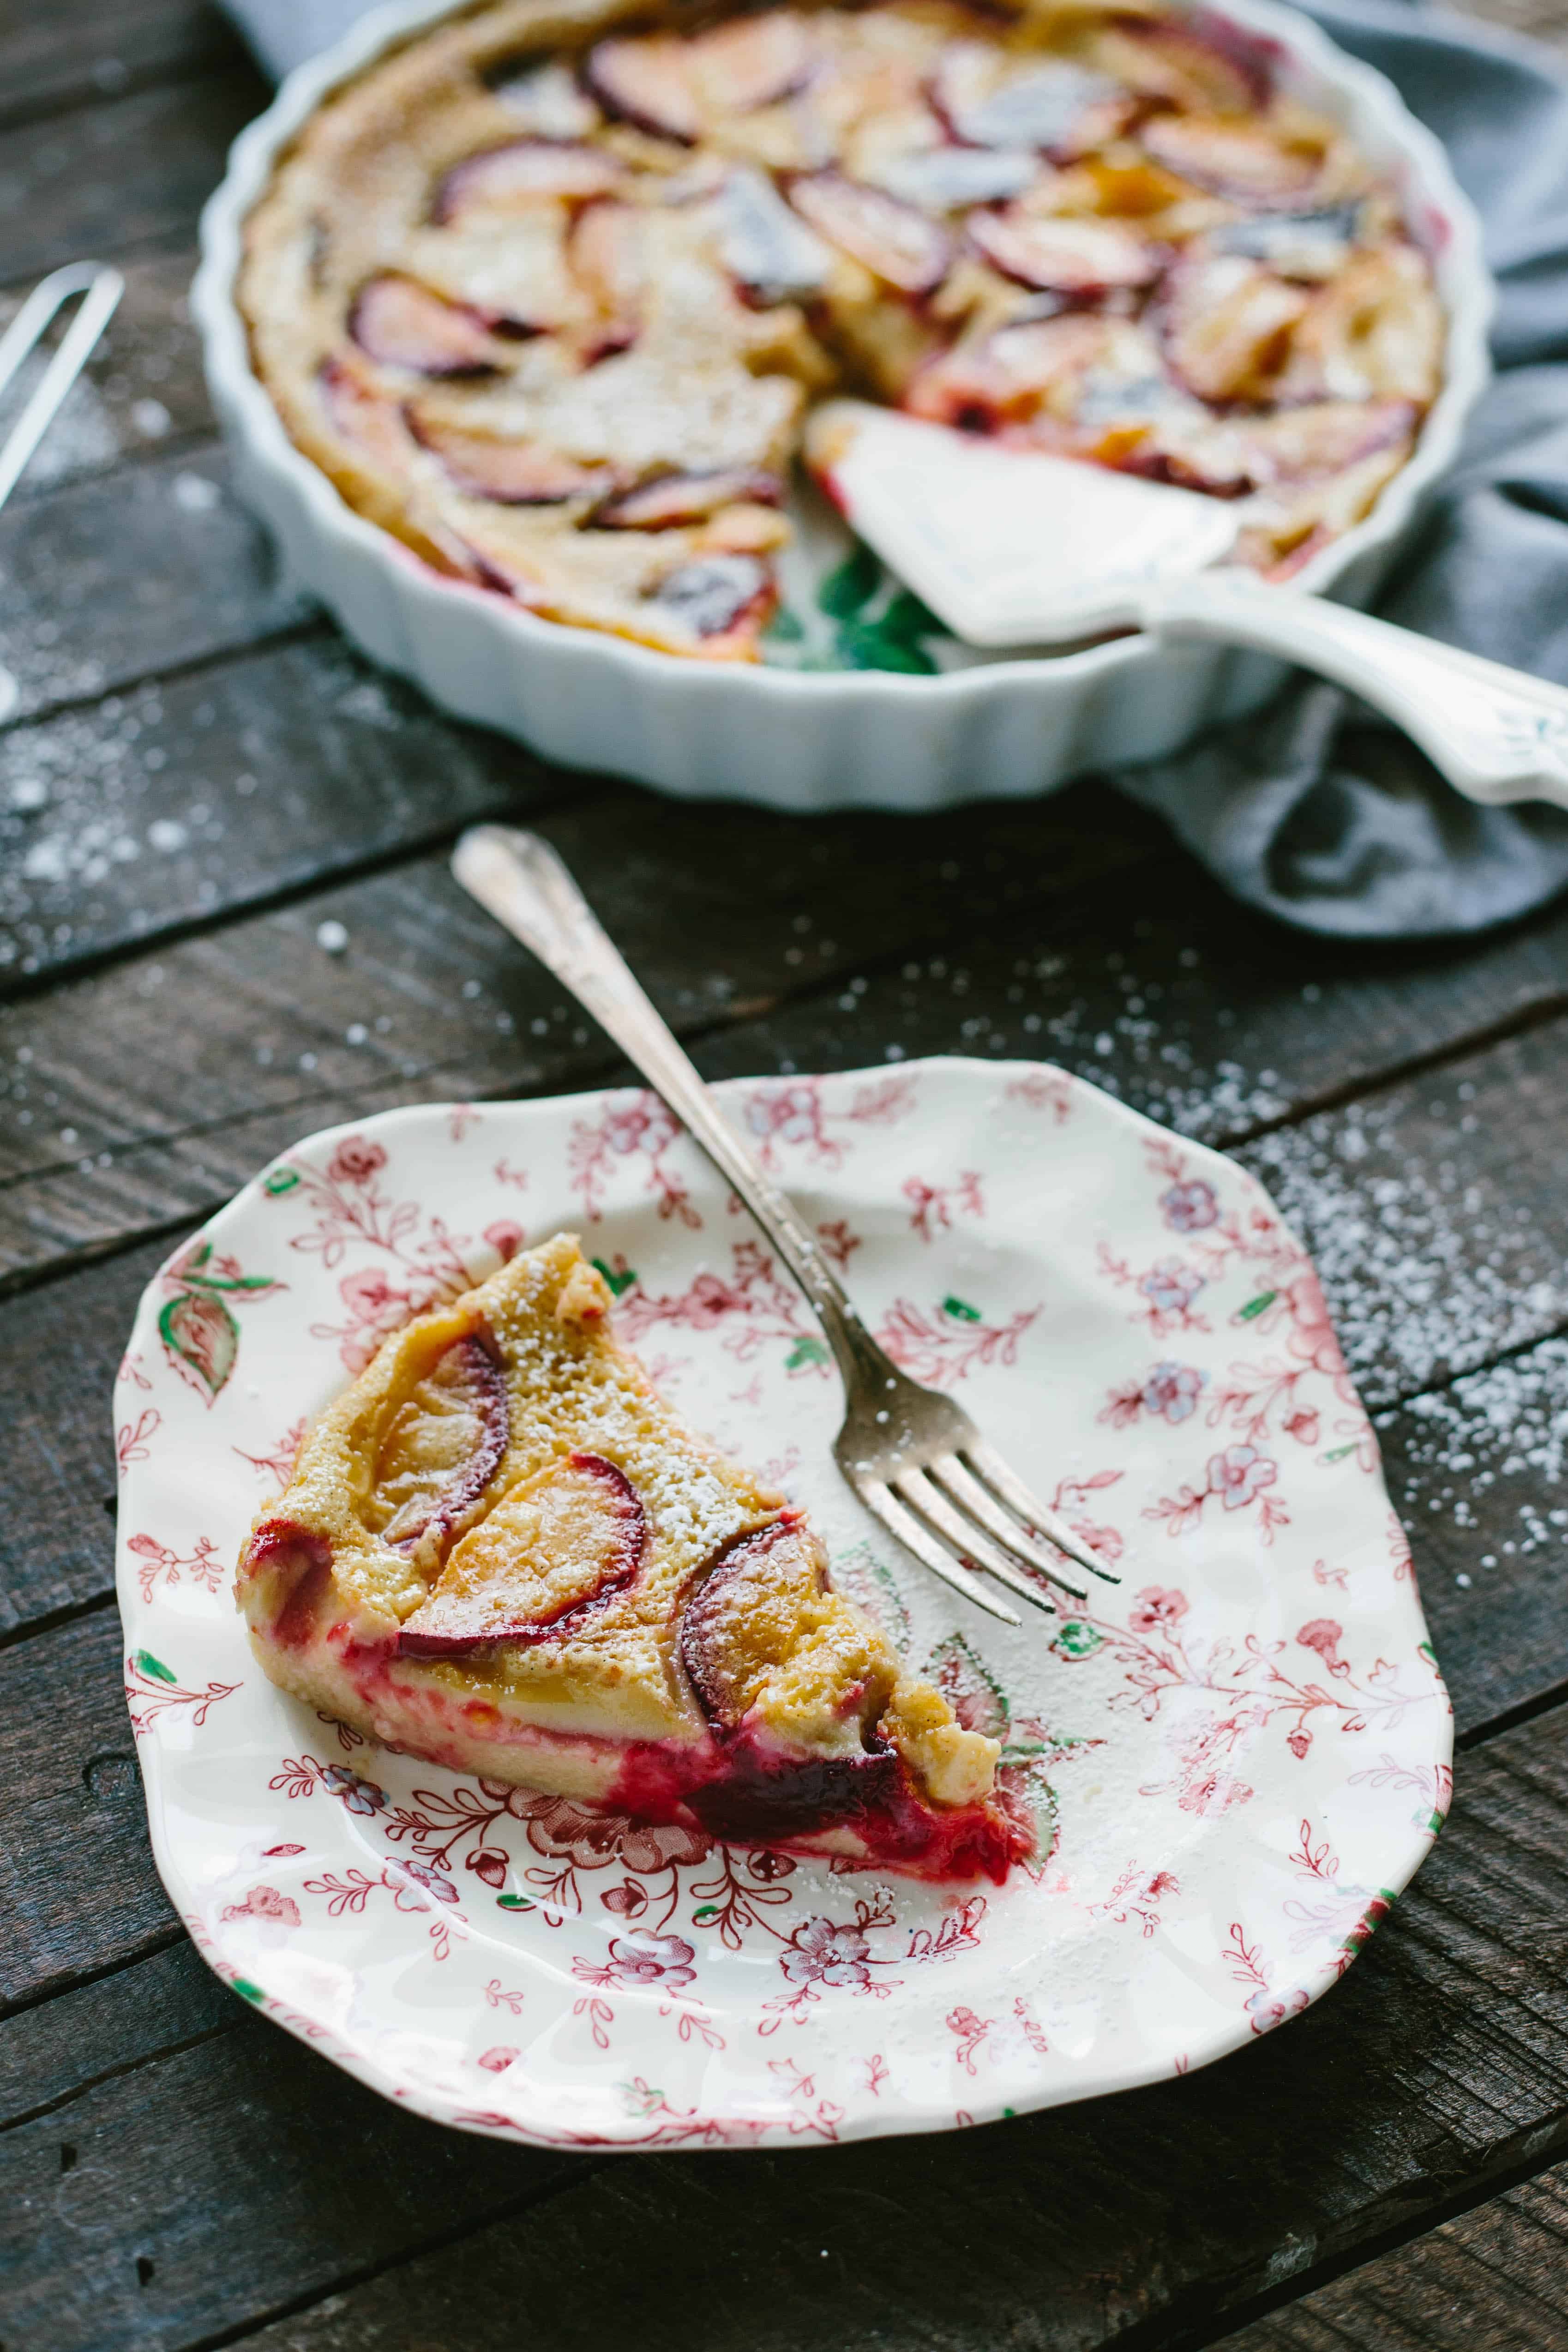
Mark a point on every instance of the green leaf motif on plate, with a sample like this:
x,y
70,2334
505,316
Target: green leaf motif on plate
x,y
1027,1785
969,1687
514,1903
154,1668
1075,1639
246,1989
1256,1306
805,1351
619,1281
193,1271
200,1339
872,1587
278,1180
960,1311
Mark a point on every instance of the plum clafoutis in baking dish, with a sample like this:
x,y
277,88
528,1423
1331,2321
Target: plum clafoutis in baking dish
x,y
548,292
500,1548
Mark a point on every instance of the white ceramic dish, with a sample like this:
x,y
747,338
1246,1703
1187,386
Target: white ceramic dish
x,y
1236,1762
864,738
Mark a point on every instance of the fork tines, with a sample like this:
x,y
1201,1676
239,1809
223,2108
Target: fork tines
x,y
957,1516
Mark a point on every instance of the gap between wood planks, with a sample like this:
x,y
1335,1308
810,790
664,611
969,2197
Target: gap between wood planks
x,y
1301,1111
1449,1912
1159,2335
72,55
368,2272
1496,2274
315,626
608,1069
169,140
1438,1057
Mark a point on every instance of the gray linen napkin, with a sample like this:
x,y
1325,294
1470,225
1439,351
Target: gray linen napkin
x,y
1313,810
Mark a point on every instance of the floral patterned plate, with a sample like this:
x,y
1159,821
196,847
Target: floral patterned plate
x,y
1235,1761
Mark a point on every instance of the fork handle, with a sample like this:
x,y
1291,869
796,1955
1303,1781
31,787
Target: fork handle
x,y
522,882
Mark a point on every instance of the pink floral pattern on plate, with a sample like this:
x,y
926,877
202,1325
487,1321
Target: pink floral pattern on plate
x,y
1129,1318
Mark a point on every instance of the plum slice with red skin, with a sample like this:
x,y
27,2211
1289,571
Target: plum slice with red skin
x,y
731,1631
604,251
897,242
647,83
464,1395
768,249
297,1564
1323,437
714,593
1057,110
753,61
1214,467
367,417
1306,245
949,179
1225,323
1231,457
509,473
524,172
587,1509
1237,160
400,323
1004,379
673,498
1081,258
731,1598
1221,67
547,100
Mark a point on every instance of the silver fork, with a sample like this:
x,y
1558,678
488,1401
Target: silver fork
x,y
913,1455
101,286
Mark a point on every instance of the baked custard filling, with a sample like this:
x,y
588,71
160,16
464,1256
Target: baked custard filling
x,y
502,1550
549,291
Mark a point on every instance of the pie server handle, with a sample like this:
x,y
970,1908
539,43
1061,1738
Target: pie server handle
x,y
1495,733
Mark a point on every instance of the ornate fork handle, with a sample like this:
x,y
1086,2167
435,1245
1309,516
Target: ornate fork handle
x,y
1495,733
522,882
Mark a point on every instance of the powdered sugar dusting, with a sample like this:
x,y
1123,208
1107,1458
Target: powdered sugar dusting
x,y
1489,1448
1425,1274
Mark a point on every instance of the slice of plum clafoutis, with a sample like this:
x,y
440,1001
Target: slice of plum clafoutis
x,y
501,1549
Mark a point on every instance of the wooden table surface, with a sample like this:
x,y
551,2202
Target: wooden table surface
x,y
200,774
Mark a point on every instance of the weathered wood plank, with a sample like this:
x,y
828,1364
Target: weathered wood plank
x,y
107,178
73,1818
1493,2280
183,800
1433,1207
79,792
77,52
52,2052
1442,2059
1435,1212
142,388
1477,1472
250,2190
58,1351
720,909
106,581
